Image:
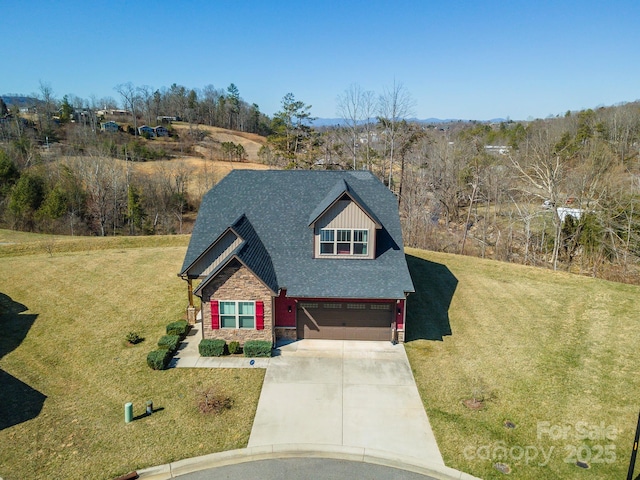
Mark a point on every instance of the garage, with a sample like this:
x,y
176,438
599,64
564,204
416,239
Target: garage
x,y
344,320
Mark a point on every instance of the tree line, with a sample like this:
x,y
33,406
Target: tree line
x,y
561,192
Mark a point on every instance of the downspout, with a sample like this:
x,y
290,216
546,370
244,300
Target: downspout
x,y
404,318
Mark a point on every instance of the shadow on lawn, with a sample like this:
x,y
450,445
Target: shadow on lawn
x,y
428,307
18,401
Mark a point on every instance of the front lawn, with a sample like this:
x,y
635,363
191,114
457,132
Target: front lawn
x,y
67,371
554,354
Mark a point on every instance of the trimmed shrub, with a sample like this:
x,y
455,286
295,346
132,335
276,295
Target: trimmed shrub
x,y
180,328
133,338
257,348
169,342
212,347
159,359
234,347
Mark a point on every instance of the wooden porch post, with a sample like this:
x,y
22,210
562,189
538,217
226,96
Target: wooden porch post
x,y
191,309
190,291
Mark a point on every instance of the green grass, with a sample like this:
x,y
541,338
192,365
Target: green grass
x,y
539,347
67,371
14,243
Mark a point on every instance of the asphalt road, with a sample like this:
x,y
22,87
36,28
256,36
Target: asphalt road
x,y
304,468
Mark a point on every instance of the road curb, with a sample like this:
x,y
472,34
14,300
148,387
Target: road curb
x,y
252,454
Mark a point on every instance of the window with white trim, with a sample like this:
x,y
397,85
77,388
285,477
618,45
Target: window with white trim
x,y
344,241
237,314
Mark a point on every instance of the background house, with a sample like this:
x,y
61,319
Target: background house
x,y
161,131
110,127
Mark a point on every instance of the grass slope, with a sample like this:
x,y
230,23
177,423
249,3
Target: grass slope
x,y
554,353
66,370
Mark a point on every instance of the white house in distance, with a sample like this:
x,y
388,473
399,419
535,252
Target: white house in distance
x,y
574,212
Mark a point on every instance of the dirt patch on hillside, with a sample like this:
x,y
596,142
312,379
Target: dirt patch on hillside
x,y
208,147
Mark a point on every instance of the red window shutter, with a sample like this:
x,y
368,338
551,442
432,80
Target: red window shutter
x,y
259,315
215,315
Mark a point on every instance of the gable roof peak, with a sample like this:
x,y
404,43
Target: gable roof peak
x,y
339,190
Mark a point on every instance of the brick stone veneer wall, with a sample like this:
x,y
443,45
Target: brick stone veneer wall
x,y
286,333
236,282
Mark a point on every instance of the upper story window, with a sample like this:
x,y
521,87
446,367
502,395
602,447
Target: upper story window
x,y
341,241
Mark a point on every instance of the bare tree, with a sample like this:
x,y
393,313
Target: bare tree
x,y
350,109
104,183
369,106
145,94
542,168
130,100
46,109
395,105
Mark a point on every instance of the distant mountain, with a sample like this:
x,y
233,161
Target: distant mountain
x,y
327,122
332,122
19,100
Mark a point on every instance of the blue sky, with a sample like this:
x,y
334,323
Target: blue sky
x,y
457,59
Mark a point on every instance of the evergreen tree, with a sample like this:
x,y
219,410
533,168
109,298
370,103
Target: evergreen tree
x,y
66,110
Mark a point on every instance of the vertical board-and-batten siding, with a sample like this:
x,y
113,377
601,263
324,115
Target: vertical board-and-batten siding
x,y
218,253
345,214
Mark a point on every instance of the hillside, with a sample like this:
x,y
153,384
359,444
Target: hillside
x,y
541,350
66,370
538,347
251,142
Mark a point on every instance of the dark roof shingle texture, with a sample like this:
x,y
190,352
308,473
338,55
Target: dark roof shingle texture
x,y
277,206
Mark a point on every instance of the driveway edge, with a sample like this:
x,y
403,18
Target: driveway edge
x,y
252,454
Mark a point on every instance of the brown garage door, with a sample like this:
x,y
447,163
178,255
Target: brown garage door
x,y
345,321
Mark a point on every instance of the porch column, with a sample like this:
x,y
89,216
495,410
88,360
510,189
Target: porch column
x,y
191,309
190,291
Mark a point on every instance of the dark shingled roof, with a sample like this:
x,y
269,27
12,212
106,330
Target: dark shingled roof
x,y
271,211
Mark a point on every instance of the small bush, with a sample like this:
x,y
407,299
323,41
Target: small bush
x,y
234,347
169,342
211,347
133,338
211,402
180,328
158,359
257,348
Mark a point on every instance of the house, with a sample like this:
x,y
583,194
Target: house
x,y
298,254
167,119
497,149
114,112
161,131
110,127
576,213
145,130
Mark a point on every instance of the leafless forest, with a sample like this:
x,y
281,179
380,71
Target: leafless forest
x,y
560,193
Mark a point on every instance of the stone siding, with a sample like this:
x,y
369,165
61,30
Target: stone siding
x,y
286,333
236,282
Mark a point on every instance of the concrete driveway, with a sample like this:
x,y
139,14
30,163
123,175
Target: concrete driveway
x,y
344,393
